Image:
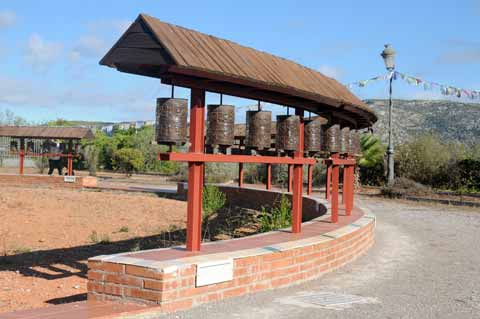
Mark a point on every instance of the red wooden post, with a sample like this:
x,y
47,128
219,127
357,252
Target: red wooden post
x,y
349,185
345,189
298,180
70,164
310,177
22,160
351,188
240,174
328,182
335,178
195,170
269,176
290,175
352,185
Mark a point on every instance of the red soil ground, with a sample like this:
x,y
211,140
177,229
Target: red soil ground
x,y
46,236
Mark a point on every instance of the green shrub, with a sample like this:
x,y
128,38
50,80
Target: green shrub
x,y
277,217
423,159
41,163
128,160
212,200
220,172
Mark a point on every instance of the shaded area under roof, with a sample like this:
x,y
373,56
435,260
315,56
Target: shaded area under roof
x,y
192,59
47,132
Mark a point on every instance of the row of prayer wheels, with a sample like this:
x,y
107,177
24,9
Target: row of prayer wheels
x,y
171,129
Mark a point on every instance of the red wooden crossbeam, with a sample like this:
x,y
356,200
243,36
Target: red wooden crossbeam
x,y
339,161
201,157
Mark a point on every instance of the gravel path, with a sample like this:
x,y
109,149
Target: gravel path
x,y
425,264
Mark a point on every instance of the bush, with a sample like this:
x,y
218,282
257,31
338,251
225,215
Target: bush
x,y
41,163
277,217
128,160
220,172
213,200
406,187
91,157
423,159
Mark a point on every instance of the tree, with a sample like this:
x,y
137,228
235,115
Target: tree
x,y
128,160
372,167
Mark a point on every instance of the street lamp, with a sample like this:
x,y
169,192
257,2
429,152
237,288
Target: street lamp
x,y
388,55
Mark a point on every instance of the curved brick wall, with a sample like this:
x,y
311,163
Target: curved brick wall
x,y
170,282
254,198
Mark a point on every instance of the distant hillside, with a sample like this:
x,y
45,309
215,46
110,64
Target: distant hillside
x,y
449,120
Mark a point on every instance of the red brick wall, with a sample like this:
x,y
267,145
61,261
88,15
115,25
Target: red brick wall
x,y
44,181
176,290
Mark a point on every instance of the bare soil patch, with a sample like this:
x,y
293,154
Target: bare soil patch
x,y
46,235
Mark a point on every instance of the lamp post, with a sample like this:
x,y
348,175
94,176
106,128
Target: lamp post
x,y
388,55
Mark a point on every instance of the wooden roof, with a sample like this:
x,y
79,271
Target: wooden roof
x,y
46,132
189,58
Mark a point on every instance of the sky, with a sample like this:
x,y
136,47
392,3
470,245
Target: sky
x,y
49,50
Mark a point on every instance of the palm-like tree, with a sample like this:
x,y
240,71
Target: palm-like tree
x,y
373,151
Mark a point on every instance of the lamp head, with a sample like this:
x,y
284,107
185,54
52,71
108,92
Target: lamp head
x,y
388,55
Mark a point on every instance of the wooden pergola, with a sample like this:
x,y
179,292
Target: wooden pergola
x,y
69,134
187,58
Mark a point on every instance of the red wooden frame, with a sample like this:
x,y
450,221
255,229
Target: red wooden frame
x,y
196,159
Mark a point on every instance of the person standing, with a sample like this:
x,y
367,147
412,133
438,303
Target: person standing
x,y
54,160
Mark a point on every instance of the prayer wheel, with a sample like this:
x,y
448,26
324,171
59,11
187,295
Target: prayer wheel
x,y
171,126
345,140
355,148
313,135
220,125
333,138
288,133
258,130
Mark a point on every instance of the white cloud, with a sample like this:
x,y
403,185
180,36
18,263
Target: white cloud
x,y
7,18
465,56
137,102
89,46
41,54
331,71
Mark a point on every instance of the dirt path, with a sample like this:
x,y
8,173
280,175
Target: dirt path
x,y
48,234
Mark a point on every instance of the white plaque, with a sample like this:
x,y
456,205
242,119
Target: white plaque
x,y
69,179
214,272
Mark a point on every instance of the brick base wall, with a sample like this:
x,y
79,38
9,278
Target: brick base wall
x,y
46,181
172,287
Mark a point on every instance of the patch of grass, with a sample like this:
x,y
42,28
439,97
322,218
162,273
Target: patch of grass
x,y
22,250
96,239
124,229
105,239
406,187
93,237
